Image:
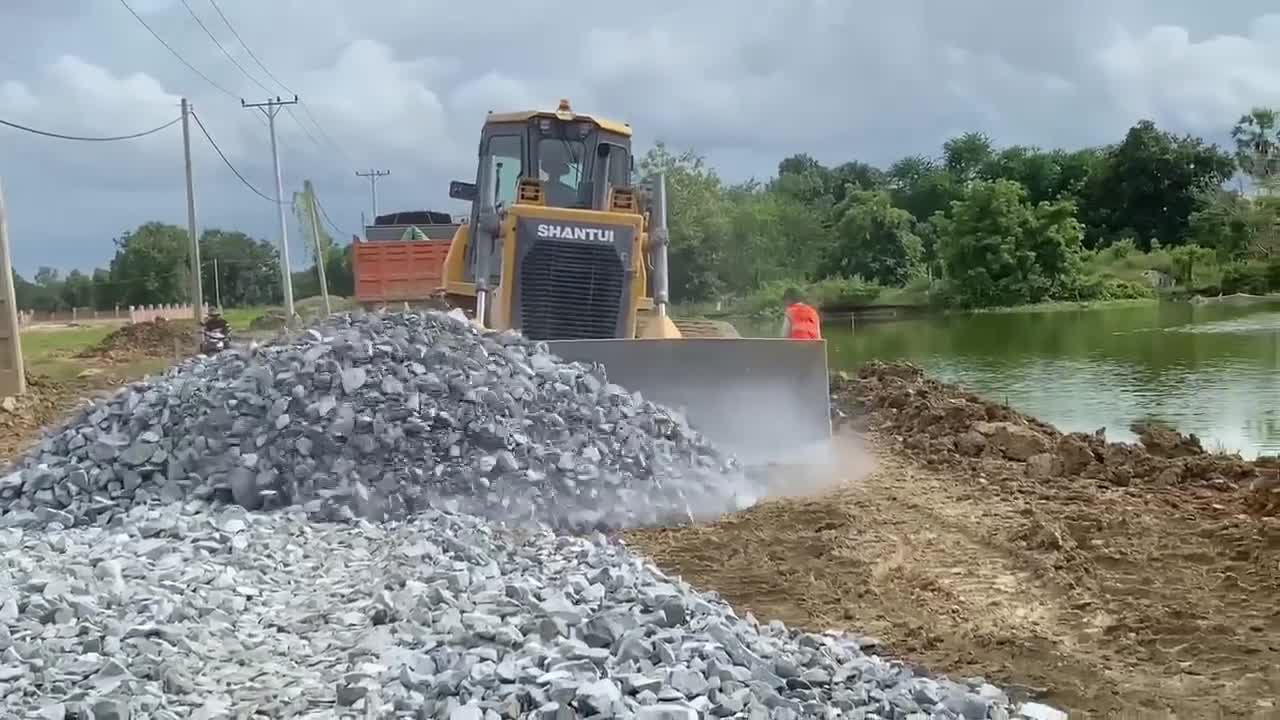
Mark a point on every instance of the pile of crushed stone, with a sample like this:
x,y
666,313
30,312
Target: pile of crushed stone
x,y
155,338
141,574
191,611
380,416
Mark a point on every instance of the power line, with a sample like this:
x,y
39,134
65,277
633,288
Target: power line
x,y
262,66
212,37
325,213
289,110
239,39
307,109
169,47
233,169
60,136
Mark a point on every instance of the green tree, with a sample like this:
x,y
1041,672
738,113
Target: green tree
x,y
248,269
46,277
1222,222
922,190
964,156
997,249
1256,134
772,236
1150,184
1238,227
874,240
77,290
1053,175
697,219
150,265
104,291
1186,259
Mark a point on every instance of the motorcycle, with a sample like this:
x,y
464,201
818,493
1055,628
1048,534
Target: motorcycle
x,y
215,341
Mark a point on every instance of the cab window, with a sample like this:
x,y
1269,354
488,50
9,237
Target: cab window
x,y
619,167
560,169
506,155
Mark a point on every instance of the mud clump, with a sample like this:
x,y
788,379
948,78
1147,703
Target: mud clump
x,y
153,338
944,425
22,416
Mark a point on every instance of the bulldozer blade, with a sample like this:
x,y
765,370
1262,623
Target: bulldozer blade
x,y
765,400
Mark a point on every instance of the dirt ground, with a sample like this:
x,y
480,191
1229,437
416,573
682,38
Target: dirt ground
x,y
155,338
1108,580
70,364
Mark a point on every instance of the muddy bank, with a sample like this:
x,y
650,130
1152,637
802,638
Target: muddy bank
x,y
1103,578
943,425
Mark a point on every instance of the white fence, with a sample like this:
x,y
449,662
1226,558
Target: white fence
x,y
131,314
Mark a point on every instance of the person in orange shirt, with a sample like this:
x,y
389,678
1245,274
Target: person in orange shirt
x,y
802,321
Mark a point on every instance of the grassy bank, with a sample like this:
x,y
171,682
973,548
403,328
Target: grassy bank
x,y
1069,305
51,353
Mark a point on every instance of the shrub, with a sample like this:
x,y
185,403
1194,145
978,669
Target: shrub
x,y
1253,278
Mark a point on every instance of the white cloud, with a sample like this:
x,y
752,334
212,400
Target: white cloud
x,y
404,84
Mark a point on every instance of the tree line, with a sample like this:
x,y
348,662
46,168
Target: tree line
x,y
977,225
982,225
151,266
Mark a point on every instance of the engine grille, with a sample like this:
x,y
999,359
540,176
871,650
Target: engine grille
x,y
570,291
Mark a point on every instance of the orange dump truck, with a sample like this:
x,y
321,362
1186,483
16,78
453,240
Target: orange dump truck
x,y
401,258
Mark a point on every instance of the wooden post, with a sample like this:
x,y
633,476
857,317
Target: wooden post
x,y
13,378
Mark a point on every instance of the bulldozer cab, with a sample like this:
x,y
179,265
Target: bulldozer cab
x,y
576,159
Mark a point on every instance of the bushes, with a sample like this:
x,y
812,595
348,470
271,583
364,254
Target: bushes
x,y
1252,278
1097,287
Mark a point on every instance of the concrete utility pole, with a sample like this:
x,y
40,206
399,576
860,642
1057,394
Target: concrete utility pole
x,y
197,291
13,377
271,108
217,284
373,176
315,237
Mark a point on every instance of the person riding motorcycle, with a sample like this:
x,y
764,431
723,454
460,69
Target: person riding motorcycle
x,y
215,323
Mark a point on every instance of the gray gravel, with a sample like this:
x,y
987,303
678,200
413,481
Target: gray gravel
x,y
379,416
191,611
159,556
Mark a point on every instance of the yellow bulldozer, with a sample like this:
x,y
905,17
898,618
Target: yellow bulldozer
x,y
563,246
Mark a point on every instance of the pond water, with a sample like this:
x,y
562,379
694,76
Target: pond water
x,y
1211,369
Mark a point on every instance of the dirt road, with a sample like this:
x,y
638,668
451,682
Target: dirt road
x,y
1104,583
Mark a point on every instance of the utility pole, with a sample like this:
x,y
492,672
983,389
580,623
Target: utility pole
x,y
217,284
271,108
373,176
13,378
315,236
197,291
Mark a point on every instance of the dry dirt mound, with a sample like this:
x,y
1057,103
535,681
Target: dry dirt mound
x,y
1109,579
22,417
154,338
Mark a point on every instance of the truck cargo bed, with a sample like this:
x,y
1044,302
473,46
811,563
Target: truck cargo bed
x,y
398,271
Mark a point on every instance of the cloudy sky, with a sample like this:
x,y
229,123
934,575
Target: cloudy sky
x,y
404,85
